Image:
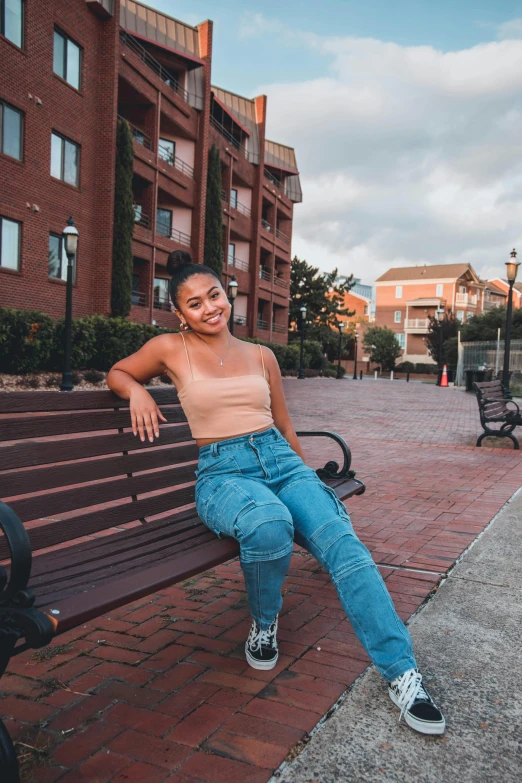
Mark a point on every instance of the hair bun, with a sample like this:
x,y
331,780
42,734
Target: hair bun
x,y
177,259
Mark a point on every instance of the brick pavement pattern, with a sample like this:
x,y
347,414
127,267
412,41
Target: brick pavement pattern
x,y
159,690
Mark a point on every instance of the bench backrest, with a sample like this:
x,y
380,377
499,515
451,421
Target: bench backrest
x,y
491,397
70,465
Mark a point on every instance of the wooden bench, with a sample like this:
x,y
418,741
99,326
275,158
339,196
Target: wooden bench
x,y
494,401
71,468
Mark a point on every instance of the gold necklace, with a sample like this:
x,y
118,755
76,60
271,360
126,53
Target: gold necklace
x,y
221,360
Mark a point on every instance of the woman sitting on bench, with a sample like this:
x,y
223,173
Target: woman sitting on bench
x,y
252,483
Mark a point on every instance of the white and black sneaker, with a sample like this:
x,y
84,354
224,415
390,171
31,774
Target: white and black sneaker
x,y
415,703
261,647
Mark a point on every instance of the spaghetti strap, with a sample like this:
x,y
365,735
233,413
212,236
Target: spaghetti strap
x,y
188,357
262,362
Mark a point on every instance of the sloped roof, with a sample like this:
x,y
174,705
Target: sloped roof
x,y
280,156
425,272
494,288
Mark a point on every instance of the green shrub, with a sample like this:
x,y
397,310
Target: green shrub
x,y
329,373
93,376
406,367
25,340
83,344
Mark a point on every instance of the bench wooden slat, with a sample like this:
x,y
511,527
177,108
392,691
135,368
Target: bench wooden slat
x,y
55,503
20,427
43,401
18,482
31,453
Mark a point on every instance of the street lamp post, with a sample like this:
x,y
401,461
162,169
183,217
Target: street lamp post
x,y
341,326
301,374
232,293
512,269
439,315
70,242
356,337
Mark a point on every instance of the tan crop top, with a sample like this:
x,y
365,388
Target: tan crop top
x,y
226,407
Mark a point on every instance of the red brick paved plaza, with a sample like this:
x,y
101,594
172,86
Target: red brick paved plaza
x,y
159,690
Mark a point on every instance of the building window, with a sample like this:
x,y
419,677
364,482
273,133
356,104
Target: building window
x,y
12,21
57,259
167,150
67,59
231,253
10,231
164,222
398,291
65,159
11,125
365,309
397,318
460,316
233,198
439,289
401,339
161,293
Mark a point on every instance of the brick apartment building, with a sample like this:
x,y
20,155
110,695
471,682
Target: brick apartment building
x,y
407,296
69,69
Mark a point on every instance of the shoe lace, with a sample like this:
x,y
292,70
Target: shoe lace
x,y
259,638
410,688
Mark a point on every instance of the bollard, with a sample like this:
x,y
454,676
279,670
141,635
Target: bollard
x,y
375,376
360,375
391,375
407,377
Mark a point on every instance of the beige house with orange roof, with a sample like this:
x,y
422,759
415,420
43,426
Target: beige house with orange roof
x,y
406,297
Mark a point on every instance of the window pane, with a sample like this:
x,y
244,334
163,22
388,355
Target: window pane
x,y
10,248
12,133
167,150
233,198
56,156
164,222
59,54
161,289
231,252
55,262
73,64
14,21
70,169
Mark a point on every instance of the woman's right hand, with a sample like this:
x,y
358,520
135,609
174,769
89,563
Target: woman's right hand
x,y
144,414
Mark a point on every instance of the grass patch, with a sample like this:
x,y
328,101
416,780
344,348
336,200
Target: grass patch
x,y
46,653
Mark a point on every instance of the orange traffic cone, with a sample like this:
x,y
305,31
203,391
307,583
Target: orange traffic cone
x,y
444,377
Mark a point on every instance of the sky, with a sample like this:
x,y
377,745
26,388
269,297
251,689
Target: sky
x,y
405,118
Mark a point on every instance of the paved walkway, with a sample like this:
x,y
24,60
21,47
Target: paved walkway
x,y
159,690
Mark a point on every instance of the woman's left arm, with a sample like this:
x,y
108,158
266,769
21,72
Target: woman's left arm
x,y
279,409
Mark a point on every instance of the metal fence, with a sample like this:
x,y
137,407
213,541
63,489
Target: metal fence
x,y
489,356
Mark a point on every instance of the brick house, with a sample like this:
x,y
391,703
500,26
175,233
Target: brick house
x,y
69,69
407,296
498,286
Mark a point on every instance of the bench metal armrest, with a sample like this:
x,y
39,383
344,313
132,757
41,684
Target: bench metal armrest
x,y
331,469
18,618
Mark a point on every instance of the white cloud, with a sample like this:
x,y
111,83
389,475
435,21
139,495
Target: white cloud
x,y
510,29
407,154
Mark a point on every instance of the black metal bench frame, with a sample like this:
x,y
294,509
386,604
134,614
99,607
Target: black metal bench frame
x,y
493,401
30,622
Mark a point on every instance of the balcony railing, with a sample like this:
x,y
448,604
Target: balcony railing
x,y
240,320
140,219
162,304
279,281
264,274
466,299
138,299
164,230
252,157
417,323
238,263
266,225
151,61
282,328
179,164
137,134
262,324
280,185
282,237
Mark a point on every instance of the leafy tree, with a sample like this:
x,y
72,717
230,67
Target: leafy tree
x,y
382,346
449,327
121,290
213,252
486,325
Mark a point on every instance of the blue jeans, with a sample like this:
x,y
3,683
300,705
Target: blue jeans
x,y
256,489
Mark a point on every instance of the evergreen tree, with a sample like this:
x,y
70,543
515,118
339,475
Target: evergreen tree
x,y
121,291
449,327
213,253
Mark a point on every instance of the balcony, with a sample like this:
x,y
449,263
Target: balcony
x,y
238,145
266,225
282,237
270,177
140,219
468,300
238,263
416,325
139,299
240,320
165,75
137,134
165,230
162,304
262,325
282,283
281,328
177,163
265,274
